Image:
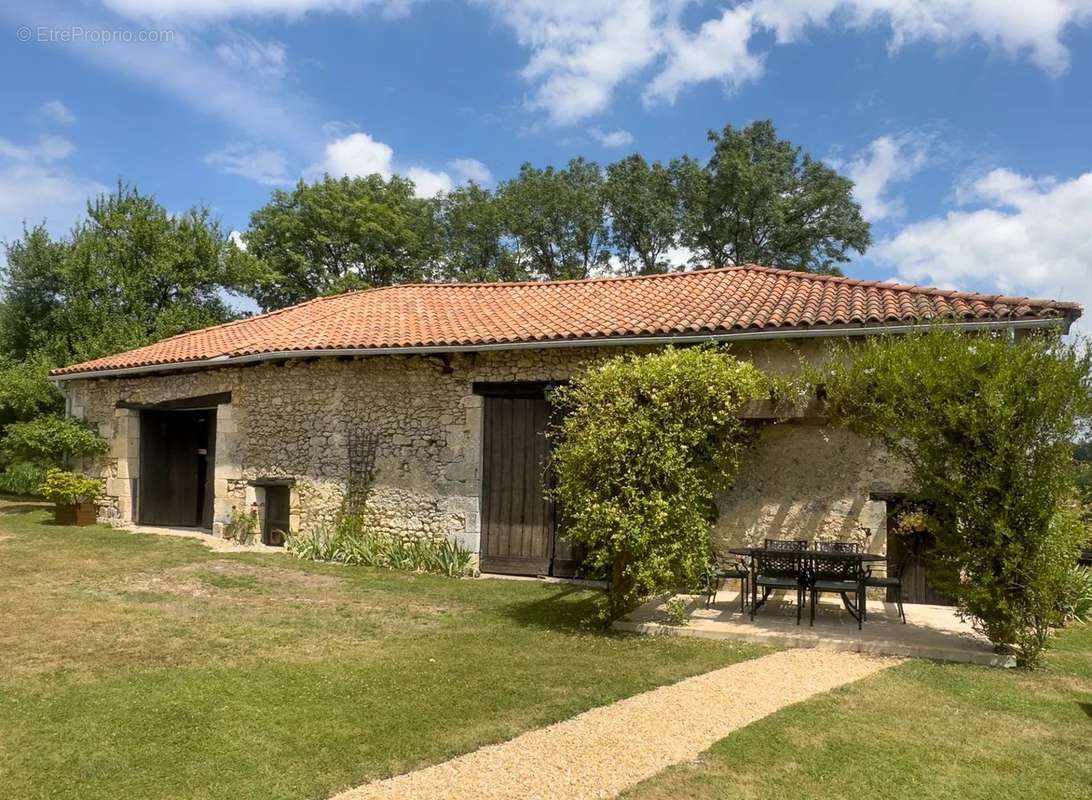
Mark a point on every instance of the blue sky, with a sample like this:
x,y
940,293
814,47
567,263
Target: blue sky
x,y
966,123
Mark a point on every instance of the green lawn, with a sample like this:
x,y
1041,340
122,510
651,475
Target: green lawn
x,y
919,731
142,666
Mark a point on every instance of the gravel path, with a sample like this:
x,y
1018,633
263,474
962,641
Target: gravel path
x,y
603,751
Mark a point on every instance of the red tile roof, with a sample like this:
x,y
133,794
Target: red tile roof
x,y
457,316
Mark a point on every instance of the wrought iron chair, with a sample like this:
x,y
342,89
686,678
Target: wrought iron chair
x,y
893,583
734,571
842,576
791,545
784,569
838,547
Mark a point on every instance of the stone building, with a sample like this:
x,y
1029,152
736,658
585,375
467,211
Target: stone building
x,y
427,403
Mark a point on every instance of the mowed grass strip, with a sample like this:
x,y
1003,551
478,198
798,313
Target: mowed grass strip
x,y
152,667
920,731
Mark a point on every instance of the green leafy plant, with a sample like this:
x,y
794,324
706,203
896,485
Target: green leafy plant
x,y
22,478
644,445
69,488
675,611
242,526
353,540
1076,602
986,426
52,441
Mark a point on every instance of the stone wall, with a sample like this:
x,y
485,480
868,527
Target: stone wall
x,y
297,419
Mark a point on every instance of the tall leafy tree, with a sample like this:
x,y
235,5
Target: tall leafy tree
x,y
762,199
473,237
128,274
339,234
642,202
557,219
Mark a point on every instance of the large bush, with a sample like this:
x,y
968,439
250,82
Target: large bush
x,y
986,425
643,446
51,441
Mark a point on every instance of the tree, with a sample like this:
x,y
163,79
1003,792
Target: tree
x,y
339,234
472,237
644,217
760,199
128,274
986,426
557,219
643,447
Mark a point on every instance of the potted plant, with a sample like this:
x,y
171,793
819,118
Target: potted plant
x,y
74,495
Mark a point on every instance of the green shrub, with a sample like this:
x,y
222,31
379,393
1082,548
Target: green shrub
x,y
1076,601
52,441
986,425
675,611
353,540
22,479
69,488
644,445
242,526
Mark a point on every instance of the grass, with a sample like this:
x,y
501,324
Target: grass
x,y
153,667
919,731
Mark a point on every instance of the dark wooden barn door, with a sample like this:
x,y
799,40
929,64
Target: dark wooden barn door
x,y
176,463
517,517
916,587
520,525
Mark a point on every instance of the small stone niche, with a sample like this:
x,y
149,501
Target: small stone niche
x,y
273,497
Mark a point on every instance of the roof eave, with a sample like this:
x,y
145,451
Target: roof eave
x,y
757,334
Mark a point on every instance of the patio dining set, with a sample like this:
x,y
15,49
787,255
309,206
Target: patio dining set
x,y
808,569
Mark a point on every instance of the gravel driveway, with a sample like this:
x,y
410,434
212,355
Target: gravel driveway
x,y
603,751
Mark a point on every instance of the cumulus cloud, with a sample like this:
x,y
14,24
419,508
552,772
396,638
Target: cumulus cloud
x,y
1016,234
56,111
580,50
266,166
428,183
470,169
886,161
359,154
618,138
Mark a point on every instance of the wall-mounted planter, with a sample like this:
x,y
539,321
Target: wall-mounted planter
x,y
81,514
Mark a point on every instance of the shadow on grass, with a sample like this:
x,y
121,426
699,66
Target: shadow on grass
x,y
27,507
572,609
1086,708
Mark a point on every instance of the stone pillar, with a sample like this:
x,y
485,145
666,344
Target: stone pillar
x,y
124,436
227,467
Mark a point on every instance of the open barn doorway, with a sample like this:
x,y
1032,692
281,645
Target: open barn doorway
x,y
177,458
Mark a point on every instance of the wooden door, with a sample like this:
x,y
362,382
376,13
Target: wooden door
x,y
915,575
173,470
517,517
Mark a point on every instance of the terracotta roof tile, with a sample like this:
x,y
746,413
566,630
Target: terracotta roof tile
x,y
466,315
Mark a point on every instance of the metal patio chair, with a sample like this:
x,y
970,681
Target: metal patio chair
x,y
733,571
791,545
782,569
889,582
843,576
837,547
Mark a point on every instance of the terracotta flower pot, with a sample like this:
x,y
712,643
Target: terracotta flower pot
x,y
80,514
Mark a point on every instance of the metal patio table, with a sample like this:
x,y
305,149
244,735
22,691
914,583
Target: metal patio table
x,y
753,553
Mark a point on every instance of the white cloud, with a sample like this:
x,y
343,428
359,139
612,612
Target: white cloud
x,y
37,186
722,48
236,238
887,160
719,50
618,138
225,9
428,183
581,49
241,51
262,165
358,154
56,111
1027,236
470,169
